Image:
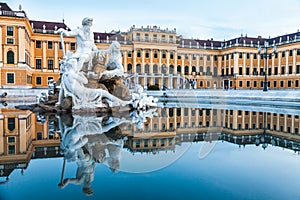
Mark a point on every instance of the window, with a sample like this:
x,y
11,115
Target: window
x,y
248,83
178,57
171,38
275,83
163,38
297,83
11,149
129,67
50,64
240,71
155,37
215,58
10,31
240,83
11,124
147,69
146,37
60,45
298,52
290,69
10,41
178,112
10,77
281,83
298,69
50,44
38,80
208,57
241,55
254,83
73,45
155,54
38,44
283,54
11,139
29,79
39,136
171,55
248,55
193,69
255,56
129,54
38,63
138,68
10,57
138,36
164,55
147,55
154,142
291,53
155,68
289,83
138,53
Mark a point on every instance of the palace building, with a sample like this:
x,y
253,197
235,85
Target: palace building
x,y
30,53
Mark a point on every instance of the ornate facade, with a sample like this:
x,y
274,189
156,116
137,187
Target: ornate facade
x,y
30,53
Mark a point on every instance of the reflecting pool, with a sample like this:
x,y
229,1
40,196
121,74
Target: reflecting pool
x,y
171,152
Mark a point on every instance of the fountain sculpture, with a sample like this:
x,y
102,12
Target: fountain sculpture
x,y
91,79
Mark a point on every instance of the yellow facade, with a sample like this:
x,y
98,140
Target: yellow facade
x,y
159,56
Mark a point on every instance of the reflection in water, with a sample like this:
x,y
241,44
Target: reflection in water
x,y
90,139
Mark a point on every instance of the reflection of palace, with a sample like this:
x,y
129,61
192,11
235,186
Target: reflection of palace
x,y
30,54
25,135
176,125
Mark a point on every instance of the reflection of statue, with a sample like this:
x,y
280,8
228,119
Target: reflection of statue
x,y
86,48
80,141
90,139
72,85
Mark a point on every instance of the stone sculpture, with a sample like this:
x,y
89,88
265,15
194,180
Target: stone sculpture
x,y
76,81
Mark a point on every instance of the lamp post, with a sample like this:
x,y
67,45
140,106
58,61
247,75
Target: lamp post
x,y
265,55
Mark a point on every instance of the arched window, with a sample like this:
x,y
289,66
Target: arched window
x,y
171,69
178,112
129,67
155,69
147,69
155,54
179,69
171,112
186,70
193,69
138,54
215,71
11,124
129,54
208,71
138,68
10,57
200,69
164,69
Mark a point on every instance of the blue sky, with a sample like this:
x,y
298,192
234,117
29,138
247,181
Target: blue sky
x,y
216,19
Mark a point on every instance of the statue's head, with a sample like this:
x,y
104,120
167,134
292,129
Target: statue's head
x,y
115,46
87,21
